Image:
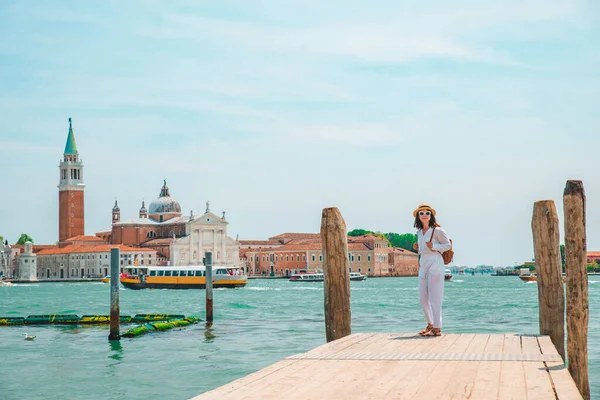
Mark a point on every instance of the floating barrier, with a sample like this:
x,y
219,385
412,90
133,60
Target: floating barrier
x,y
155,317
72,319
103,319
12,321
159,326
52,319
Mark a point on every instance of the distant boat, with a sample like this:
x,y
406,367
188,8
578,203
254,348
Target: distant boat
x,y
2,283
29,337
307,277
106,279
357,276
447,274
527,276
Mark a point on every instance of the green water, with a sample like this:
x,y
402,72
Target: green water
x,y
254,327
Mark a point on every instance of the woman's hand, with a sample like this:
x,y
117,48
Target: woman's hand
x,y
430,245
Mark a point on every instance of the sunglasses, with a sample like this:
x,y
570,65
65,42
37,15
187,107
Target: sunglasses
x,y
424,213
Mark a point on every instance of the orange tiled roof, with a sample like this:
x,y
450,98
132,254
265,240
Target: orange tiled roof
x,y
158,242
593,253
84,238
36,247
101,248
296,236
259,242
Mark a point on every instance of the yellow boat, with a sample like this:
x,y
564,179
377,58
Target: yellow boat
x,y
182,277
106,279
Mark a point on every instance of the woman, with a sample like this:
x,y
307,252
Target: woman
x,y
432,242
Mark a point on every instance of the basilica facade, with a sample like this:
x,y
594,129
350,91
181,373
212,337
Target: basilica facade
x,y
178,239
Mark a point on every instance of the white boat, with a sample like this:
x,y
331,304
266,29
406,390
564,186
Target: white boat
x,y
357,276
3,283
307,277
447,274
319,277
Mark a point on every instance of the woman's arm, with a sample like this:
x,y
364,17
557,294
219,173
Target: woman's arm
x,y
443,241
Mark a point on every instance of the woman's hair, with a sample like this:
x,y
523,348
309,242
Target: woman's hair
x,y
419,224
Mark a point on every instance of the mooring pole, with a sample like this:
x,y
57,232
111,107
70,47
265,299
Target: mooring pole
x,y
578,312
115,314
551,296
337,276
209,288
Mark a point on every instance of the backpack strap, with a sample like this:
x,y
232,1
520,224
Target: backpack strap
x,y
432,233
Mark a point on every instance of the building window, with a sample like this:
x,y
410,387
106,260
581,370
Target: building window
x,y
369,257
303,257
287,258
359,258
313,257
320,257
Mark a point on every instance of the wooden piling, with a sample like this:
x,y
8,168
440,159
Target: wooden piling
x,y
577,285
209,288
115,313
336,273
546,245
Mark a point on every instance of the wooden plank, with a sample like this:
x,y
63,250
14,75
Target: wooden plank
x,y
537,379
463,380
232,389
421,371
444,371
342,343
404,379
487,380
512,375
361,379
354,371
563,383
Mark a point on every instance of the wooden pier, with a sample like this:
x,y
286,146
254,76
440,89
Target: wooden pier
x,y
408,366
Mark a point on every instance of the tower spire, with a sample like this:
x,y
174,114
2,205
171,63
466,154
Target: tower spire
x,y
71,146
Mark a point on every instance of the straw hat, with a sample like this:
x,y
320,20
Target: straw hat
x,y
423,207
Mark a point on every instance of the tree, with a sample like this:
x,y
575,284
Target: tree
x,y
24,238
562,255
404,241
1,238
359,232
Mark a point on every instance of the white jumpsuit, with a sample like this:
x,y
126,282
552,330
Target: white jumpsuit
x,y
431,274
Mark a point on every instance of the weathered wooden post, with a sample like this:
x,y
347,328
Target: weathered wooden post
x,y
546,245
115,313
336,272
209,288
577,285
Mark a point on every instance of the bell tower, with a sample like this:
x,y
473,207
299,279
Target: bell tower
x,y
70,192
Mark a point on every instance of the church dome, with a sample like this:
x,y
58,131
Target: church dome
x,y
165,204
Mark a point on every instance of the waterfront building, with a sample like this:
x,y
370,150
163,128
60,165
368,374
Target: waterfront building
x,y
593,257
88,260
27,267
177,239
287,253
6,260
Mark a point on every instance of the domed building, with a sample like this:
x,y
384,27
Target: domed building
x,y
163,228
165,207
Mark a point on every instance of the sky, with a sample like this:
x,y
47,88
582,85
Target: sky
x,y
274,110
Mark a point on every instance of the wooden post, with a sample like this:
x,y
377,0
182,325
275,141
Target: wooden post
x,y
115,313
577,285
546,245
337,277
209,288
